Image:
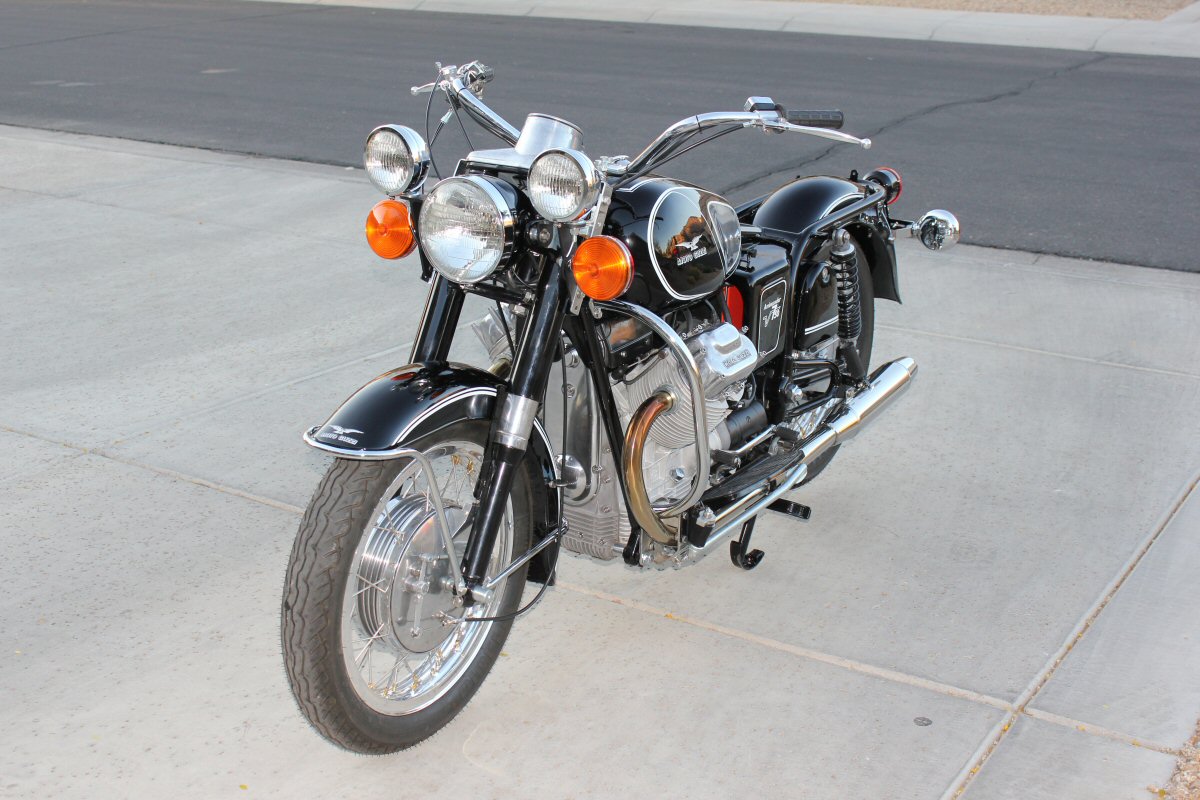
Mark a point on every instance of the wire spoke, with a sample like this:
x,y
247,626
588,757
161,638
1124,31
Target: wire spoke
x,y
376,585
391,679
378,634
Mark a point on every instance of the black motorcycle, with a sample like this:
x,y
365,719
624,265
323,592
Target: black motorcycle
x,y
706,359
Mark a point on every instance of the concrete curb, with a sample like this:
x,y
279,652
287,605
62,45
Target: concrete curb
x,y
1178,35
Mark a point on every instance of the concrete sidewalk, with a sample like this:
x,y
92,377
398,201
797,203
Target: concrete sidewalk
x,y
1177,35
1009,556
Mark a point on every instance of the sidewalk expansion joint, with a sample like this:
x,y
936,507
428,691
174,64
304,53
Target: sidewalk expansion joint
x,y
289,383
882,673
1021,707
286,384
1037,351
1013,710
100,452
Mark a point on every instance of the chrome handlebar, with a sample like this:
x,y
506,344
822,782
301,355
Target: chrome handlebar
x,y
767,121
463,85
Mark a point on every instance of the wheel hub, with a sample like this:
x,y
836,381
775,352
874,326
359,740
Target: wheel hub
x,y
405,590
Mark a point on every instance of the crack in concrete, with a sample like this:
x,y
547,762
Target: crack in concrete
x,y
218,150
998,734
892,125
100,452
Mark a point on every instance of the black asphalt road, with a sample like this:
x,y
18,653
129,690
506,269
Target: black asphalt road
x,y
1052,151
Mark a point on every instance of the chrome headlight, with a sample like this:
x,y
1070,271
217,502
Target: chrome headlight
x,y
466,227
563,185
396,159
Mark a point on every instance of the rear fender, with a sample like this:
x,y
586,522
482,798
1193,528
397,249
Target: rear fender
x,y
380,419
795,206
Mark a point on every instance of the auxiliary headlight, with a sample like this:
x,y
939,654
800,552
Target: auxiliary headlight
x,y
563,184
396,159
466,227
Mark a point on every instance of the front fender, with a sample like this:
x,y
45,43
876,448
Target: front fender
x,y
380,419
796,205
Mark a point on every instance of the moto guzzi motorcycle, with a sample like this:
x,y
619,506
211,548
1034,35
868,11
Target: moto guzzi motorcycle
x,y
665,367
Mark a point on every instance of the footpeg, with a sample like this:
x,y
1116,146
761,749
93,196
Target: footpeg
x,y
739,551
797,510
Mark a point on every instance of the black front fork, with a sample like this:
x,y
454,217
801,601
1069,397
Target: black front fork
x,y
512,424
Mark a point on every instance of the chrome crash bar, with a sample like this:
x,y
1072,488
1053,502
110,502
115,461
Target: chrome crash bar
x,y
687,365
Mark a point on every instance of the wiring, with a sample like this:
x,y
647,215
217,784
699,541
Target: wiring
x,y
466,135
512,348
432,160
678,149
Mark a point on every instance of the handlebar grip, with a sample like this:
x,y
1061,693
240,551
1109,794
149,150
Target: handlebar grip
x,y
816,119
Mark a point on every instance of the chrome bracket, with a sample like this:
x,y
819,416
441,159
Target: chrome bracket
x,y
547,540
593,227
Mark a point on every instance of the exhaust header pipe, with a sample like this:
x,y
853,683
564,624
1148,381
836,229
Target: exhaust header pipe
x,y
886,384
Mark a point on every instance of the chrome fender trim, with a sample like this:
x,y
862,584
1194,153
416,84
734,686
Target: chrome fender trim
x,y
309,435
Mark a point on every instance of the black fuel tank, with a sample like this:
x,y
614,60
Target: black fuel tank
x,y
684,240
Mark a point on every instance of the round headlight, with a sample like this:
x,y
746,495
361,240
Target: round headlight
x,y
396,159
466,227
563,184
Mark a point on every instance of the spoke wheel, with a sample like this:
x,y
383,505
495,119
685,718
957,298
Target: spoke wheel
x,y
379,651
405,639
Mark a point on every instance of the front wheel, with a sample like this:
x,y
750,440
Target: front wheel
x,y
378,653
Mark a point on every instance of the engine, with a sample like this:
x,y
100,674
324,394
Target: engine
x,y
594,505
598,525
725,358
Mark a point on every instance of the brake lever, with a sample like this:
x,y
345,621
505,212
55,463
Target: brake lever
x,y
772,122
443,74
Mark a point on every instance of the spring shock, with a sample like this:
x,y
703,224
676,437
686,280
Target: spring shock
x,y
843,263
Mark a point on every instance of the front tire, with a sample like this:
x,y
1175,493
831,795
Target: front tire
x,y
377,654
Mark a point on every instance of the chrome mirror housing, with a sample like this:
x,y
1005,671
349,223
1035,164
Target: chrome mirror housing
x,y
937,230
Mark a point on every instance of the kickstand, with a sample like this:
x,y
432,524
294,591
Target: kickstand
x,y
739,551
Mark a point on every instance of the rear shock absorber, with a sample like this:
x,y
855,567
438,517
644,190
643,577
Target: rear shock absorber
x,y
843,262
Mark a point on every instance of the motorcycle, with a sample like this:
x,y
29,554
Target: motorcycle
x,y
665,368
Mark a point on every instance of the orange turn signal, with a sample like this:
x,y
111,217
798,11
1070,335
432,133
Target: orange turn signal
x,y
603,267
390,230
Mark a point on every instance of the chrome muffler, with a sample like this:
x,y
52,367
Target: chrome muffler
x,y
885,385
